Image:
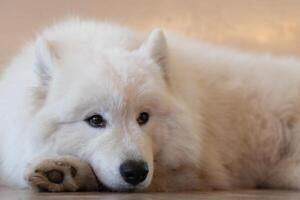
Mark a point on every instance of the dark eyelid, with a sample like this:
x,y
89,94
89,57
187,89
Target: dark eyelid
x,y
96,121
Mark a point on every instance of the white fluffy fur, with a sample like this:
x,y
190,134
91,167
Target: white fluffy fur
x,y
220,118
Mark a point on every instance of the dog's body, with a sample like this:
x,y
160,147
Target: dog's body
x,y
219,118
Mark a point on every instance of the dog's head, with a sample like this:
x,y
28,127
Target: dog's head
x,y
109,106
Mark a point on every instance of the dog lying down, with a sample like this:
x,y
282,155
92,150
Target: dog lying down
x,y
94,106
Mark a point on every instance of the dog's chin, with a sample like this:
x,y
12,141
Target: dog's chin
x,y
104,188
125,189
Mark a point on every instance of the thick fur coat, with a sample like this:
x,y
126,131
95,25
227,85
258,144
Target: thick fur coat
x,y
219,118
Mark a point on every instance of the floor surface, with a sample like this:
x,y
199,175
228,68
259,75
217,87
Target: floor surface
x,y
10,194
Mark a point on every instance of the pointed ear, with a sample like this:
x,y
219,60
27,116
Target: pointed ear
x,y
45,59
156,47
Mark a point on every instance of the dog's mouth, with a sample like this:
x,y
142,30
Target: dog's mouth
x,y
100,186
103,188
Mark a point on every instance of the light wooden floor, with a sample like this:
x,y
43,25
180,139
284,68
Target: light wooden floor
x,y
6,193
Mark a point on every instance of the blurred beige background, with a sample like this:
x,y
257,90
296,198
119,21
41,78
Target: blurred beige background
x,y
255,25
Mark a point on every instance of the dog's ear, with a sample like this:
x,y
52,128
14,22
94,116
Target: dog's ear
x,y
46,57
156,47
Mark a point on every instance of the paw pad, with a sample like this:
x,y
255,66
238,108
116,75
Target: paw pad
x,y
73,171
64,174
55,176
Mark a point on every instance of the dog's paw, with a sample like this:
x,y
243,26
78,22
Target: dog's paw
x,y
62,174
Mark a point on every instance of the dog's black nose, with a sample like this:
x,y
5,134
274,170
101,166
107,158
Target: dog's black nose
x,y
134,172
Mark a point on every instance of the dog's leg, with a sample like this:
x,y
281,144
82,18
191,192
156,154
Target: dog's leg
x,y
61,174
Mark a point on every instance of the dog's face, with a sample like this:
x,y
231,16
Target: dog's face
x,y
109,107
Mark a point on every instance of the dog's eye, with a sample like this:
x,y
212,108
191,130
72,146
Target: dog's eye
x,y
96,121
143,118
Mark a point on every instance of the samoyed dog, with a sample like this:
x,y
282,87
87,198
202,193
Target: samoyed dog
x,y
91,106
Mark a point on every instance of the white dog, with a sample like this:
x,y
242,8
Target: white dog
x,y
91,106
